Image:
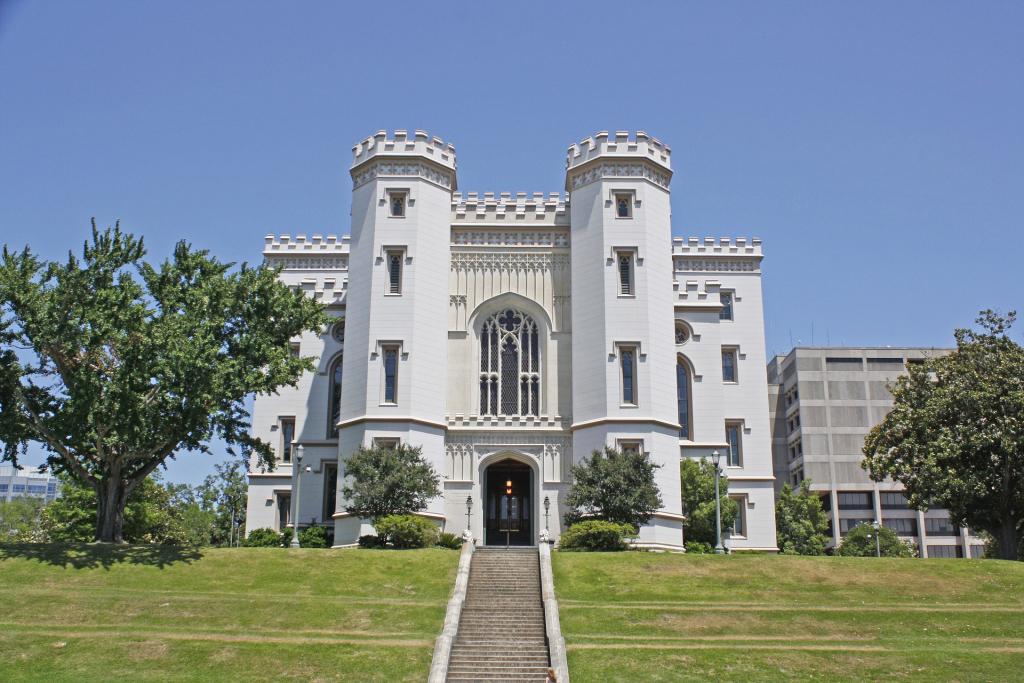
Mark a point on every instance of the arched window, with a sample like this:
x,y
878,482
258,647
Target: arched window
x,y
683,396
334,404
509,365
682,332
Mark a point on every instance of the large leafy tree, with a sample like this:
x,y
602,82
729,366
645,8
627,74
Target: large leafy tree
x,y
955,435
382,481
617,486
113,364
800,521
697,478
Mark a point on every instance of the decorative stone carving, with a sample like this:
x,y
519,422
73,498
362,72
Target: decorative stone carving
x,y
464,451
510,238
715,265
402,169
491,261
620,170
307,262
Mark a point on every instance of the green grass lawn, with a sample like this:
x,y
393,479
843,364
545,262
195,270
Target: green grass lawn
x,y
659,617
91,613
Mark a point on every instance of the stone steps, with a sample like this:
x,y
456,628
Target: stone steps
x,y
501,634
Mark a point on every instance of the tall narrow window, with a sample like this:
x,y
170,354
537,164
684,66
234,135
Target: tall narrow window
x,y
330,490
729,364
739,526
334,405
510,365
623,205
626,280
627,364
733,436
287,436
394,261
683,399
726,312
390,374
397,204
284,510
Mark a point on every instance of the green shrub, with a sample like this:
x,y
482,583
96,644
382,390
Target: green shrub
x,y
860,542
371,541
263,538
407,531
314,536
286,538
698,548
596,534
450,541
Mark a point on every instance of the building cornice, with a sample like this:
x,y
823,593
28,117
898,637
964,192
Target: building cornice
x,y
392,418
623,420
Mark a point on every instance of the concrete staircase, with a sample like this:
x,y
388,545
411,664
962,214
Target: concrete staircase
x,y
501,633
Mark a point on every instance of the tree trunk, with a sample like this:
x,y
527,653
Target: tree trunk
x,y
111,496
1008,540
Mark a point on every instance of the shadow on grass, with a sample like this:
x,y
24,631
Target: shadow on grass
x,y
94,555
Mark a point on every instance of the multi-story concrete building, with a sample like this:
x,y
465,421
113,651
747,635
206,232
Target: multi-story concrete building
x,y
16,483
510,336
823,402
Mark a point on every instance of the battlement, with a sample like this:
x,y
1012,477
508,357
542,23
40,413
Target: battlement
x,y
620,145
506,202
711,246
401,145
301,244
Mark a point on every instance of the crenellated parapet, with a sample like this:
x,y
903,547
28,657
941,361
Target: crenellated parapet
x,y
302,252
398,155
620,155
716,255
488,206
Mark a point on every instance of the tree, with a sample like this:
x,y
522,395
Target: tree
x,y
153,514
697,478
800,522
860,542
616,486
222,496
955,435
19,520
113,365
393,480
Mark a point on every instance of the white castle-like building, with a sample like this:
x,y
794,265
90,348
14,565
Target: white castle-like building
x,y
510,335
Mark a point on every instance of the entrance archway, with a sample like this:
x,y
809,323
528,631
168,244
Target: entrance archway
x,y
508,515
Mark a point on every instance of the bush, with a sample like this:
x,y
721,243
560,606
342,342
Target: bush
x,y
313,537
596,534
860,542
263,538
698,548
371,541
450,541
407,531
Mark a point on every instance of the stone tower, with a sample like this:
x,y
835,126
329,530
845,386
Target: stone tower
x,y
623,356
395,363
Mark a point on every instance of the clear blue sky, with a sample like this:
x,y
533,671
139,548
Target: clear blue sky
x,y
877,148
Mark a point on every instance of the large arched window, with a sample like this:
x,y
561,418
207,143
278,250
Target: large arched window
x,y
684,395
509,364
334,404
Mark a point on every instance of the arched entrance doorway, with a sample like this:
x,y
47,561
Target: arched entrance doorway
x,y
509,495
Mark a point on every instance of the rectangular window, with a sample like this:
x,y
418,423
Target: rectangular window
x,y
390,374
631,446
855,501
287,437
977,552
726,299
284,510
627,367
294,349
846,524
887,364
734,437
387,443
950,551
893,500
396,201
729,361
740,525
627,286
624,205
330,490
903,526
394,263
940,526
844,364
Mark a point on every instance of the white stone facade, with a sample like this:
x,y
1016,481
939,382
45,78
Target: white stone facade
x,y
525,330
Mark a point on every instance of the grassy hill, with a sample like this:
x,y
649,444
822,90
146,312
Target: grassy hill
x,y
654,617
147,614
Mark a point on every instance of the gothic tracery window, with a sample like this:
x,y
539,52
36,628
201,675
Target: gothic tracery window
x,y
509,365
334,408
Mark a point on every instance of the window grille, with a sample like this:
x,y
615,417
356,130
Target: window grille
x,y
726,300
626,273
683,399
510,365
394,272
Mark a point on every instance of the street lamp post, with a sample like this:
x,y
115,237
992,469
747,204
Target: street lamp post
x,y
469,511
878,541
298,481
508,513
547,508
716,457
